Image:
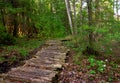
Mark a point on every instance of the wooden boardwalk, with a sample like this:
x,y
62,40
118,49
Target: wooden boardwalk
x,y
41,68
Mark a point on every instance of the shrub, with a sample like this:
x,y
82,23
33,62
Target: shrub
x,y
6,38
98,64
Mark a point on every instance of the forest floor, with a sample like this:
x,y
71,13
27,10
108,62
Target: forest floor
x,y
41,67
16,55
86,69
91,69
12,59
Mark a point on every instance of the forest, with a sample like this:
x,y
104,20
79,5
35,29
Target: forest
x,y
89,28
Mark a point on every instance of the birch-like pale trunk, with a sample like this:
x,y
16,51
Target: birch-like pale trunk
x,y
69,16
117,13
75,16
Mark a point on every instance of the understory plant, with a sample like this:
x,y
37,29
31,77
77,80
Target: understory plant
x,y
96,66
23,47
5,38
103,38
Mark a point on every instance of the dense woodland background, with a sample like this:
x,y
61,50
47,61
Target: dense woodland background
x,y
92,26
93,19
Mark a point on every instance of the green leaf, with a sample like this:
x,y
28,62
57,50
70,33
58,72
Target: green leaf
x,y
92,72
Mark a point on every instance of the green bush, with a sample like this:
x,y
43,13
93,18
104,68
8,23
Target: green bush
x,y
6,38
98,64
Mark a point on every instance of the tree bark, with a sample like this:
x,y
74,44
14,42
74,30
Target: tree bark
x,y
15,30
75,16
97,12
81,3
69,16
2,15
15,20
113,7
89,5
117,13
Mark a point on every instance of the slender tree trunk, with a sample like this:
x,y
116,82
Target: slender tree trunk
x,y
69,16
89,4
2,15
117,10
15,30
15,20
66,23
75,16
97,12
81,3
113,7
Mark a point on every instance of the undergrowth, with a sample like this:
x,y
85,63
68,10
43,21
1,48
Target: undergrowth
x,y
24,46
95,65
14,55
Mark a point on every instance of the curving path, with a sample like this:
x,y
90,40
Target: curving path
x,y
41,68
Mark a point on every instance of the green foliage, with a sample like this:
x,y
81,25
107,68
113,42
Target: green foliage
x,y
14,10
114,65
13,58
24,46
103,37
23,52
1,59
51,26
37,17
99,65
110,79
5,38
92,72
92,61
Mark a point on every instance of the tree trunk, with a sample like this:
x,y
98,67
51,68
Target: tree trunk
x,y
69,16
75,16
117,8
81,3
89,5
2,15
113,7
97,12
15,30
15,16
66,23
